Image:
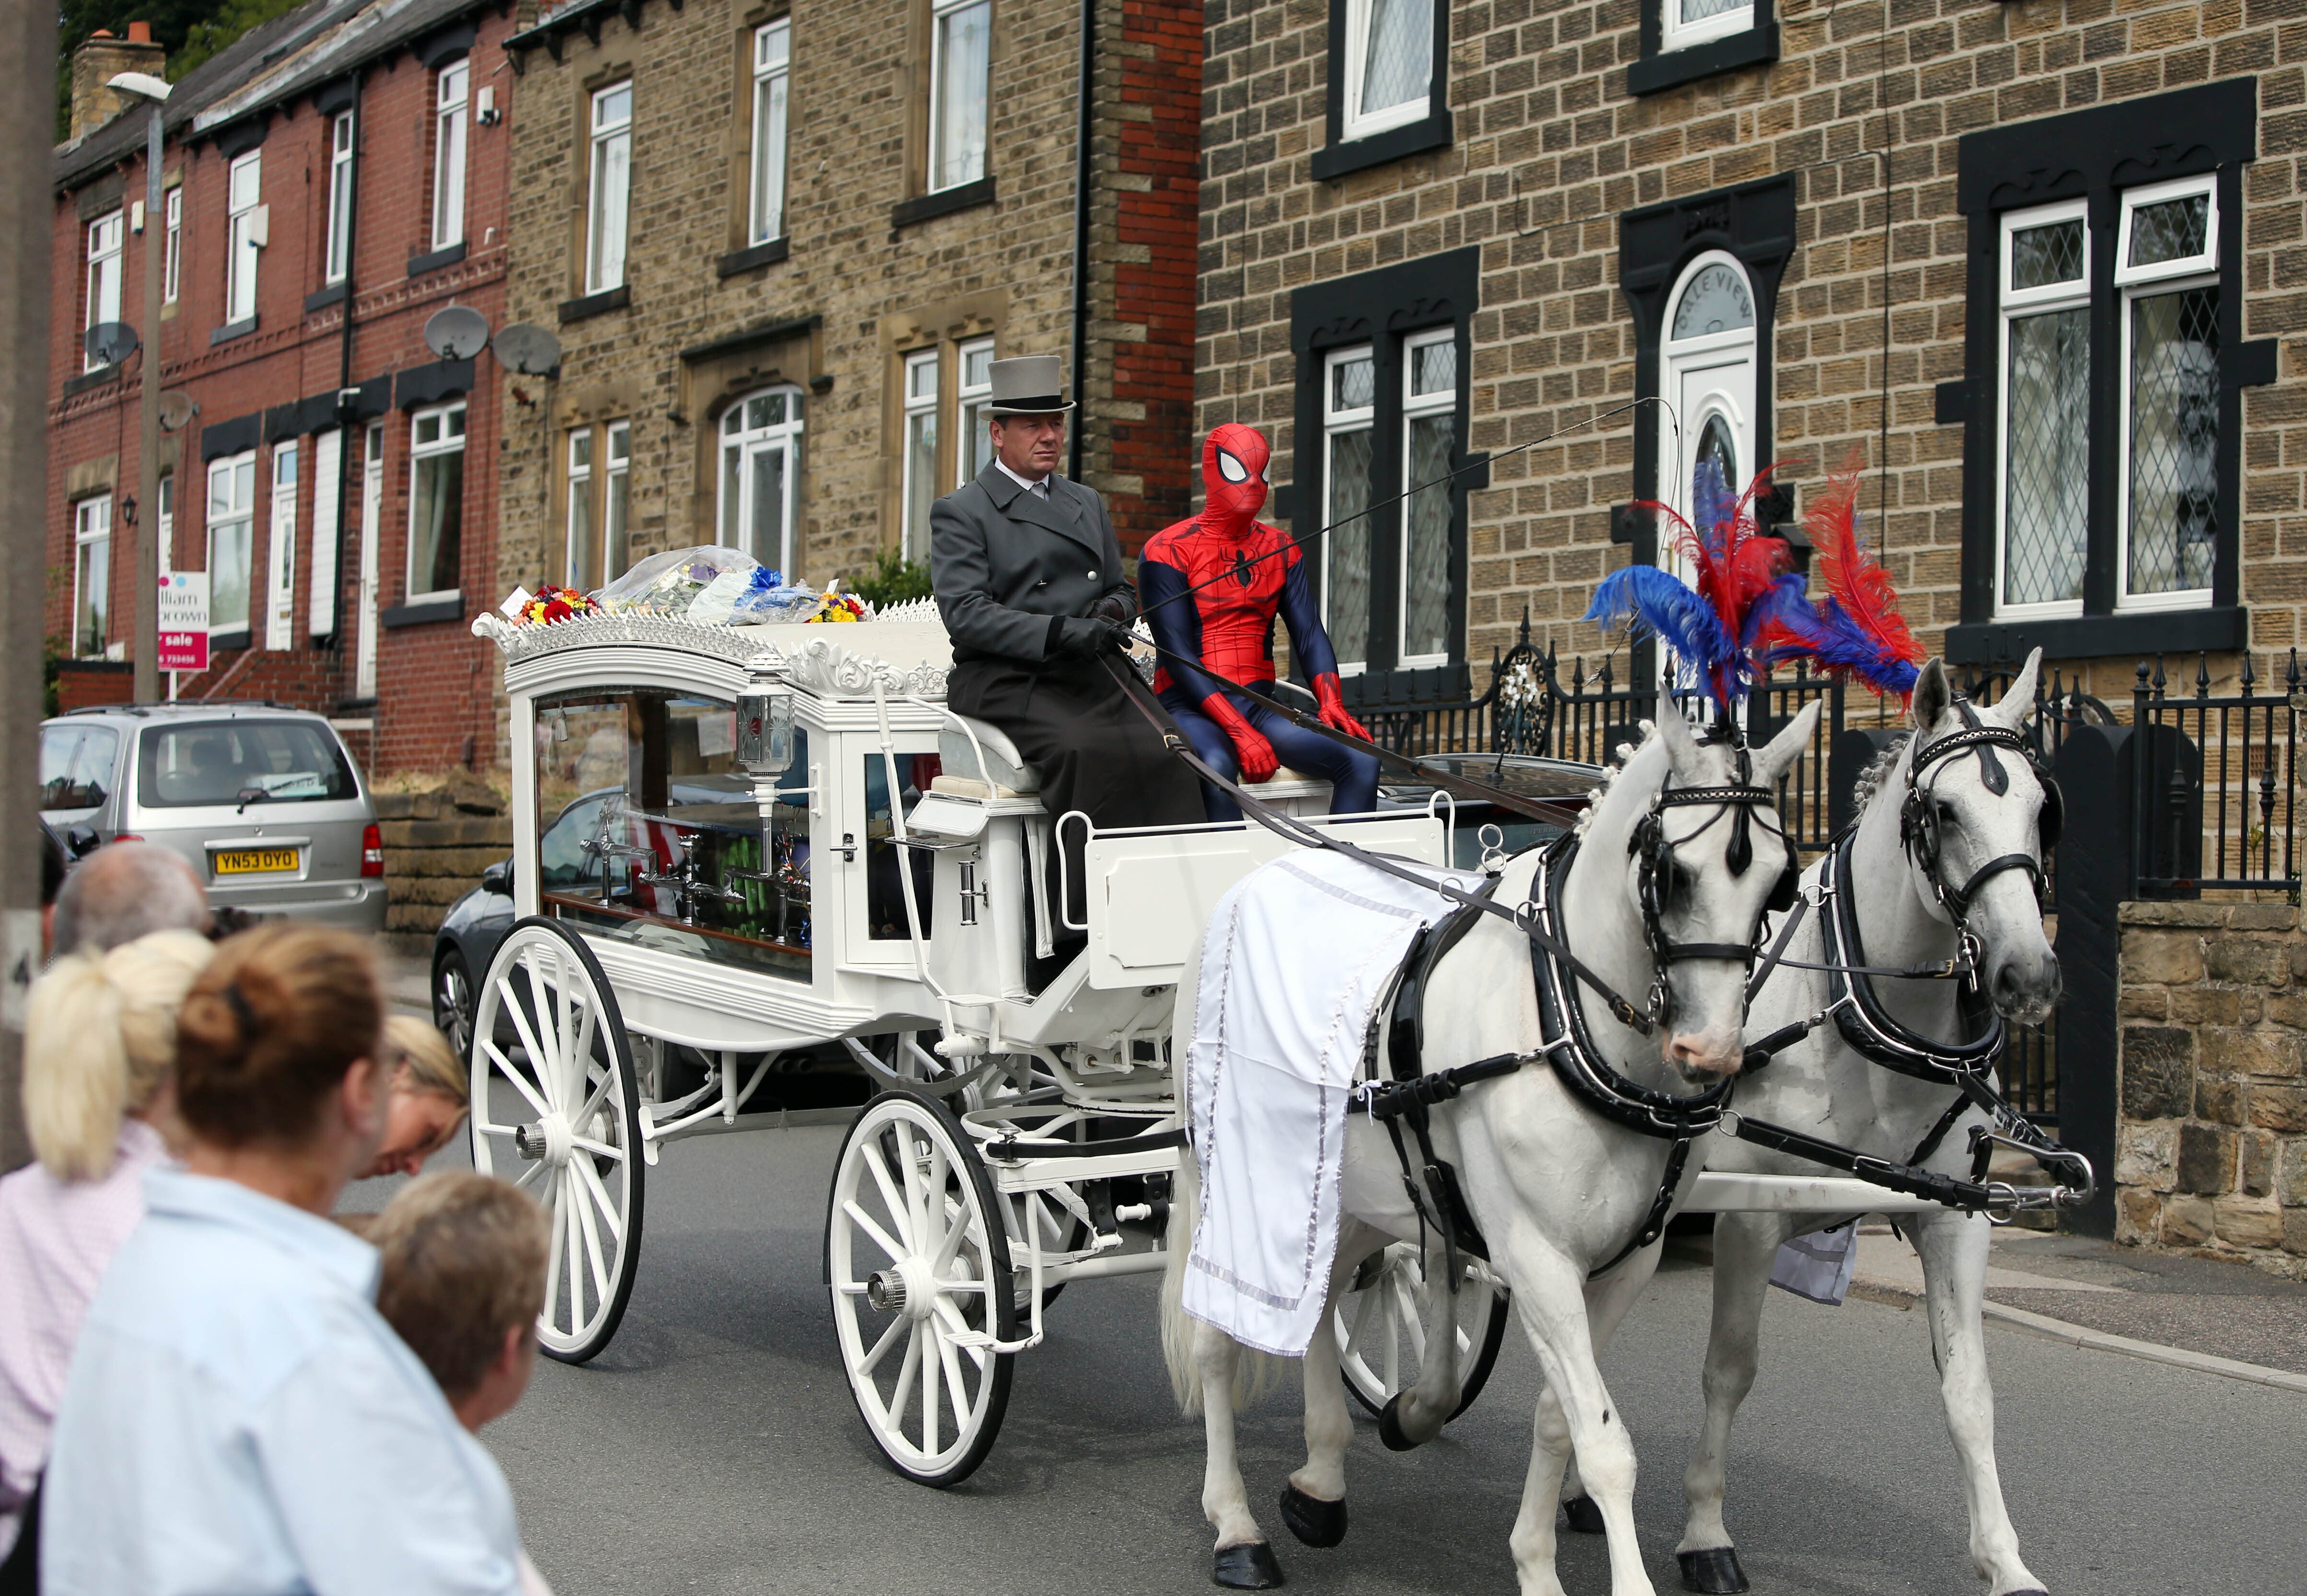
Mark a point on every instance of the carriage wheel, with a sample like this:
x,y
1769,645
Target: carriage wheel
x,y
918,1262
1382,1328
555,1111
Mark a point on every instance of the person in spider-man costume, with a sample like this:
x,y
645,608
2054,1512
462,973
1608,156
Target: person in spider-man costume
x,y
1210,588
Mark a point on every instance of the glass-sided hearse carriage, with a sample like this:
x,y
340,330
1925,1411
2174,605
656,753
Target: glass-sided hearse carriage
x,y
745,853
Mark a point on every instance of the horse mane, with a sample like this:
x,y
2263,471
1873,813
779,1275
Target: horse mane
x,y
1610,773
1869,780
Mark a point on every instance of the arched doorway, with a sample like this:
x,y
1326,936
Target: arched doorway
x,y
1707,357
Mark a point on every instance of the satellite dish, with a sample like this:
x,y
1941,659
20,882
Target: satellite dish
x,y
460,332
108,343
527,349
176,408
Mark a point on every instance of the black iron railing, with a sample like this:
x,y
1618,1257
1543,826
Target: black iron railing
x,y
2216,806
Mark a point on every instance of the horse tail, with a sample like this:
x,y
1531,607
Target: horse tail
x,y
1176,1328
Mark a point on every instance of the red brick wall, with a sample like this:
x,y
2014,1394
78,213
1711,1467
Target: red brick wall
x,y
433,685
1161,72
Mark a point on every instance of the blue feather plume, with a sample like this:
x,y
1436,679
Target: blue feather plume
x,y
1686,623
1828,635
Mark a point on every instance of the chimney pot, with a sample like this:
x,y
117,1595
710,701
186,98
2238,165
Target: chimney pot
x,y
140,33
100,57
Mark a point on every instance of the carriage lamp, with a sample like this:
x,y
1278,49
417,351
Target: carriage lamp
x,y
765,727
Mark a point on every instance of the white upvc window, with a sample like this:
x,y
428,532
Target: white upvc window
x,y
1389,65
245,236
2042,431
760,476
1348,433
104,242
451,125
174,253
1683,23
2167,272
232,541
584,552
1429,424
91,577
436,500
616,501
340,197
961,66
973,444
921,451
772,80
606,214
280,551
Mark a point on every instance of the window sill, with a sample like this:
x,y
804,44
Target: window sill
x,y
753,259
425,612
596,304
220,642
2134,633
1359,155
333,295
1652,74
89,379
944,203
231,331
418,265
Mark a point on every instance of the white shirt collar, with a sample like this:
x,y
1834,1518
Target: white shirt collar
x,y
1027,483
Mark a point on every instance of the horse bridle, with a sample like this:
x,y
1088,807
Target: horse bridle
x,y
1918,823
1654,851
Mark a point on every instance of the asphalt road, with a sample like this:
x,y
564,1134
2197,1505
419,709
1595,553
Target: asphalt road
x,y
714,1446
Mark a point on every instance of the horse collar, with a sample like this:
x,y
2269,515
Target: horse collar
x,y
1858,1013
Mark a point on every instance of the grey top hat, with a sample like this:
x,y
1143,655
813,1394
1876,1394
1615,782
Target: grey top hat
x,y
1028,385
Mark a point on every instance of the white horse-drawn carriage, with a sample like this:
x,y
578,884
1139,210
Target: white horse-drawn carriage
x,y
740,850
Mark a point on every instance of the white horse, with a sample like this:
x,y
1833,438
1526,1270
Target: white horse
x,y
1555,1188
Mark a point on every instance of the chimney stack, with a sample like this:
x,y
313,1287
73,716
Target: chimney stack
x,y
96,62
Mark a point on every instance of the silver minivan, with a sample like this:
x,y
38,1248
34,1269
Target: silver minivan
x,y
261,800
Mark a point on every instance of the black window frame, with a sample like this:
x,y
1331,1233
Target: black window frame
x,y
1341,156
1657,69
1382,309
2096,155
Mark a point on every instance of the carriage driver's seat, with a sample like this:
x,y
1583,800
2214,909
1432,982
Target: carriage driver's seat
x,y
1006,775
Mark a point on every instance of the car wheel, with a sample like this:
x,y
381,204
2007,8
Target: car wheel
x,y
452,1002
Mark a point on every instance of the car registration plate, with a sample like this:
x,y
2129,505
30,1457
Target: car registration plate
x,y
255,861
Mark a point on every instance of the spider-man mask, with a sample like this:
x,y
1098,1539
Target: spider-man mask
x,y
1233,473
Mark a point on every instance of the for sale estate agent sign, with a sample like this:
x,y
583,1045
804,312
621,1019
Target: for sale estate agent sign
x,y
184,621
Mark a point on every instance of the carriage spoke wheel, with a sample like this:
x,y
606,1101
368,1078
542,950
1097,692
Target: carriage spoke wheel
x,y
1382,1328
918,1262
555,1111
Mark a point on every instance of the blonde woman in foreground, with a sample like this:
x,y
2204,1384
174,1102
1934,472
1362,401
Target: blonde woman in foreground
x,y
99,1052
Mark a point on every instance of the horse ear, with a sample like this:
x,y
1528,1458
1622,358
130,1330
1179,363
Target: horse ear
x,y
2016,707
1793,740
1681,747
1931,696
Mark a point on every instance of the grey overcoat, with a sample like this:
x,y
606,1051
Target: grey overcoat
x,y
1010,567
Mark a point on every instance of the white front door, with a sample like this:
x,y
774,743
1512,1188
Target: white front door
x,y
327,465
1708,377
281,583
371,532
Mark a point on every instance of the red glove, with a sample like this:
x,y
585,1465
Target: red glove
x,y
1332,711
1250,748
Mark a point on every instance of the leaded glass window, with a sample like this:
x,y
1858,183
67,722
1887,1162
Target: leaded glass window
x,y
2168,273
1349,417
1389,63
2046,433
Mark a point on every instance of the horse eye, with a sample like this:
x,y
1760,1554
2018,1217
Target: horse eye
x,y
1231,469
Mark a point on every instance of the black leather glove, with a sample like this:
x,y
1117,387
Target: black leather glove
x,y
1086,637
1112,607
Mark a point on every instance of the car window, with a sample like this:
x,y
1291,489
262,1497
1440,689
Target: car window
x,y
76,765
235,762
563,859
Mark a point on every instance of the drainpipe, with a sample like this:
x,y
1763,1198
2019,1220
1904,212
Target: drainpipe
x,y
345,382
1081,234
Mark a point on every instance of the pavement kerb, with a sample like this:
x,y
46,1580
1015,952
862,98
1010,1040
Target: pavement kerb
x,y
2059,1330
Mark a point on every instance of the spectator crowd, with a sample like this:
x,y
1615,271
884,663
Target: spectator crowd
x,y
209,1381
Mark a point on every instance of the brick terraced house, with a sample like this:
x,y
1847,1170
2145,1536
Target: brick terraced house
x,y
2039,265
780,247
333,179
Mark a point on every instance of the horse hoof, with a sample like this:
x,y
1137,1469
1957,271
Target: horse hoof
x,y
1584,1516
1248,1568
1389,1427
1312,1520
1715,1570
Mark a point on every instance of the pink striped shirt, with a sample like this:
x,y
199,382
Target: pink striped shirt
x,y
56,1239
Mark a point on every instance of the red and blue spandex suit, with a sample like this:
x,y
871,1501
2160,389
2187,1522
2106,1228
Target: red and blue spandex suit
x,y
1210,588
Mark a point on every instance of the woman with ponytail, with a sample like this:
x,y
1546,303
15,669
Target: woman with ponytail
x,y
99,1051
238,1417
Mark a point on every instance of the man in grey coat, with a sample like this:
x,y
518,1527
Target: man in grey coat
x,y
1028,578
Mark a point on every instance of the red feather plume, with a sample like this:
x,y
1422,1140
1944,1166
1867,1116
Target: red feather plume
x,y
1736,566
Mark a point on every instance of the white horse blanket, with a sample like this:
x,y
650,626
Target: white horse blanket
x,y
1298,957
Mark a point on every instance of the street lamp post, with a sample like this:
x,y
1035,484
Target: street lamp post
x,y
146,646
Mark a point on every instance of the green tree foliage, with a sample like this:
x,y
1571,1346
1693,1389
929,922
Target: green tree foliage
x,y
893,580
189,30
